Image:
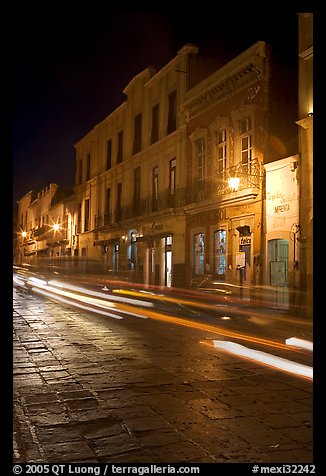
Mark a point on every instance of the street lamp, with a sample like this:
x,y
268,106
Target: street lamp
x,y
234,183
248,174
24,234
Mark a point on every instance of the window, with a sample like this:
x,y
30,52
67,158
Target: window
x,y
88,166
108,154
119,202
107,215
120,148
246,144
172,184
80,172
137,191
155,189
155,123
137,134
201,168
132,251
86,215
220,252
221,151
79,218
199,250
172,112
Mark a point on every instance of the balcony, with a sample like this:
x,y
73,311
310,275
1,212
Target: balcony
x,y
163,201
247,177
39,233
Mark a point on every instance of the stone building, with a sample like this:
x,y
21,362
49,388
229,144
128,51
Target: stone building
x,y
131,176
236,122
45,222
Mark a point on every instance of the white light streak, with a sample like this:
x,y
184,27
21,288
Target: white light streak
x,y
89,292
16,279
71,298
274,361
79,305
37,281
303,344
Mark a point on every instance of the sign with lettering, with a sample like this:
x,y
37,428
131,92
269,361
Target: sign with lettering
x,y
282,195
240,259
245,240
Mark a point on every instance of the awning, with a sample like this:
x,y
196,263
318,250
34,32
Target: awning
x,y
154,236
111,241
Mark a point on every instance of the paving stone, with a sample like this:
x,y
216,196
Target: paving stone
x,y
49,419
183,452
100,428
279,420
48,435
304,435
254,432
67,452
154,438
213,409
81,403
114,445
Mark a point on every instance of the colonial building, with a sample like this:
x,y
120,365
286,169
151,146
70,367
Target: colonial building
x,y
281,225
181,182
45,220
131,176
236,122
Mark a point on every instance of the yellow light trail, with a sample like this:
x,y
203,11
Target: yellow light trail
x,y
207,327
200,305
129,309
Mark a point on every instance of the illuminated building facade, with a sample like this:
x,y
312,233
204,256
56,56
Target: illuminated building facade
x,y
45,220
131,177
235,124
175,185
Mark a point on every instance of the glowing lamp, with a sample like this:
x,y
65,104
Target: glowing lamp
x,y
234,183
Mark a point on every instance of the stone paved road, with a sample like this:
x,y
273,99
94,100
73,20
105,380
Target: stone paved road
x,y
94,389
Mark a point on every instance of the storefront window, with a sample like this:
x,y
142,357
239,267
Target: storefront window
x,y
220,252
199,250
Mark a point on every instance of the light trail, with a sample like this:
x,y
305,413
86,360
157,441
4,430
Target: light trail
x,y
79,289
77,304
122,307
201,305
303,344
71,298
263,357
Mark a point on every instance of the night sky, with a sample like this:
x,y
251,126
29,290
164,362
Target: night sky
x,y
69,73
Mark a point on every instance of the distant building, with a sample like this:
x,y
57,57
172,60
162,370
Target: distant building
x,y
44,225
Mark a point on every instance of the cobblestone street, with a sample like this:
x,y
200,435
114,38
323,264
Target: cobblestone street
x,y
92,389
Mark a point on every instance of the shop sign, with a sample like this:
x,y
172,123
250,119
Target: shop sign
x,y
245,240
240,259
282,195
